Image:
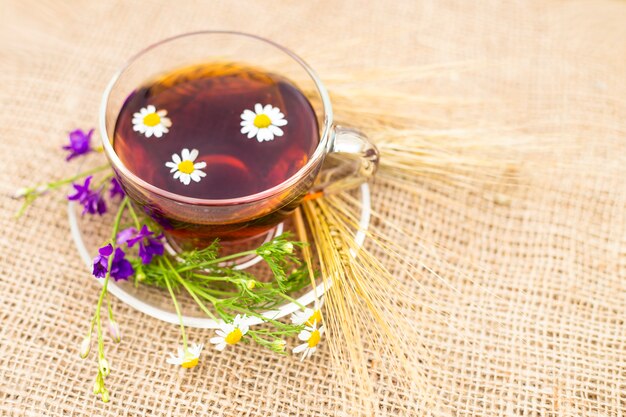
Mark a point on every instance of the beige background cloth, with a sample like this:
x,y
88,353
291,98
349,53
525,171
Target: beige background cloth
x,y
538,330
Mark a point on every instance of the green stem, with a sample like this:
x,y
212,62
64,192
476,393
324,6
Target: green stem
x,y
218,278
103,292
109,307
30,194
134,216
291,299
216,261
177,307
186,285
104,180
55,184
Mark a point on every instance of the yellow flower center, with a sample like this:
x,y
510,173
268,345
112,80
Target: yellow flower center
x,y
315,317
261,121
314,339
186,167
233,337
189,361
151,119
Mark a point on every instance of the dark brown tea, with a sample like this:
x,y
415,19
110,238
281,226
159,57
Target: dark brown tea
x,y
216,131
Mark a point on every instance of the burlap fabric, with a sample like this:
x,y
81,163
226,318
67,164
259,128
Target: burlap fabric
x,y
533,282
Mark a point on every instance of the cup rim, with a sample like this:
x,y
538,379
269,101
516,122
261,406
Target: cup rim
x,y
319,152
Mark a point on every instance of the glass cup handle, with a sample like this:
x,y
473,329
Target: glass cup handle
x,y
352,160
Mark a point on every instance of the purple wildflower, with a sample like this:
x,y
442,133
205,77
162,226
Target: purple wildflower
x,y
116,189
101,262
95,204
125,235
120,267
92,201
149,246
80,143
152,247
82,191
139,236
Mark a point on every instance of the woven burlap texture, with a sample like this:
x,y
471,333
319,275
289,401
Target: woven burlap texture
x,y
537,328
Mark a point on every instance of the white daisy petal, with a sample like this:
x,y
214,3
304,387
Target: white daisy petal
x,y
258,108
253,132
193,155
151,109
273,112
265,134
177,174
199,165
279,122
194,176
184,154
275,130
185,179
299,348
158,133
149,132
248,115
176,159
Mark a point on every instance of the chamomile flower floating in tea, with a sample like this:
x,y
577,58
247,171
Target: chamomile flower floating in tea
x,y
230,333
186,358
184,168
263,122
150,121
311,336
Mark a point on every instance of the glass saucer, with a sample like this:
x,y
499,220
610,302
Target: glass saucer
x,y
157,303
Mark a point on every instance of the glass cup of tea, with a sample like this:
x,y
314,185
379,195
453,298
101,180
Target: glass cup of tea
x,y
223,134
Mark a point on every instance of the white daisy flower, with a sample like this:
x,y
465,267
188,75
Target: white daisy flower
x,y
230,333
308,316
263,122
184,168
311,336
149,121
187,359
